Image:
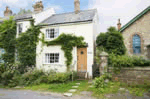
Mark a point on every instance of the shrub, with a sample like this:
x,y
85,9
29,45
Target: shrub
x,y
9,72
12,77
126,61
111,41
100,83
61,77
33,75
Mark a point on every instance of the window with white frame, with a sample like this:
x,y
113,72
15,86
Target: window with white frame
x,y
51,58
52,33
20,26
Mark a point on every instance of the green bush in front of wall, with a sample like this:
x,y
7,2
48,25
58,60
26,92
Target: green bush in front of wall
x,y
26,45
8,39
67,42
119,61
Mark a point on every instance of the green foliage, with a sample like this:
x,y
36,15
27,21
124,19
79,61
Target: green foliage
x,y
11,76
117,62
59,78
8,39
26,46
127,61
111,41
67,42
10,70
23,11
100,83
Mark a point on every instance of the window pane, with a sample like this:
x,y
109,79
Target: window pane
x,y
20,28
136,44
51,57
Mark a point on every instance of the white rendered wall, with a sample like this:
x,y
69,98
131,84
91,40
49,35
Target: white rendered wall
x,y
39,17
85,30
25,24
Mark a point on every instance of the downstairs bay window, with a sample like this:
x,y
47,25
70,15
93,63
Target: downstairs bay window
x,y
51,58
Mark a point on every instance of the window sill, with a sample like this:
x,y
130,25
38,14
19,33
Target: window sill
x,y
51,64
49,39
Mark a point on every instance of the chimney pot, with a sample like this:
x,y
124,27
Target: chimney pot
x,y
77,6
38,7
7,12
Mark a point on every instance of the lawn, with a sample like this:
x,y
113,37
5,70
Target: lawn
x,y
60,88
112,88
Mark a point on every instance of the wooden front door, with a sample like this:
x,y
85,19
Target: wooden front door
x,y
82,59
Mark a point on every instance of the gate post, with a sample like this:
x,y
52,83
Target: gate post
x,y
103,63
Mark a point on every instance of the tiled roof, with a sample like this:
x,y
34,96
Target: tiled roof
x,y
23,16
82,16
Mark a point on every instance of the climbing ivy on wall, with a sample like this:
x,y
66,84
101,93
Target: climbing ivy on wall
x,y
8,39
67,42
26,45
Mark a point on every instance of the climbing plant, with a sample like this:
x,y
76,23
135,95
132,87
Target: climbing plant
x,y
8,39
26,45
67,42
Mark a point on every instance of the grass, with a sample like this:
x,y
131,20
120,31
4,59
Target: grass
x,y
60,88
112,88
136,90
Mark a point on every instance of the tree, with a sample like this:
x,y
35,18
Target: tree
x,y
8,39
23,11
111,41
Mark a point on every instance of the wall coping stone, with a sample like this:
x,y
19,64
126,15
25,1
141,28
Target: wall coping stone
x,y
134,68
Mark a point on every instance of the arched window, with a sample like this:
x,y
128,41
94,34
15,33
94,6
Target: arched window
x,y
136,44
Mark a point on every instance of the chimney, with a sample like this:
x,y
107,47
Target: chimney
x,y
77,6
38,7
119,25
7,12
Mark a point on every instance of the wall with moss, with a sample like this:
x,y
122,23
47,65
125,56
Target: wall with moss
x,y
137,75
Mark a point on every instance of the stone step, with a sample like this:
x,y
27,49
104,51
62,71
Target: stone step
x,y
75,86
72,90
91,86
77,83
68,94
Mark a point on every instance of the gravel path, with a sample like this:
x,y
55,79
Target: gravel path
x,y
25,94
28,94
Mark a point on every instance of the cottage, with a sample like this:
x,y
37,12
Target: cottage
x,y
80,23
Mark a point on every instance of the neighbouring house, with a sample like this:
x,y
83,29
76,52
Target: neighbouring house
x,y
80,23
136,34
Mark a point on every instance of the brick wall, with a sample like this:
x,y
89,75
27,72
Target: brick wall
x,y
137,75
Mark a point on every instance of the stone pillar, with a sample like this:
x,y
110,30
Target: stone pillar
x,y
103,63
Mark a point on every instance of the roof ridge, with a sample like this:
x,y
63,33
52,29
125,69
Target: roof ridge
x,y
74,12
65,13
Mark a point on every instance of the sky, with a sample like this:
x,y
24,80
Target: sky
x,y
109,11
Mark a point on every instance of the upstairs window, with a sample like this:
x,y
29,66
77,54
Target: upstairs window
x,y
52,33
20,26
51,58
136,44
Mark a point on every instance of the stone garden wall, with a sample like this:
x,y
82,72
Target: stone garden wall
x,y
137,75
